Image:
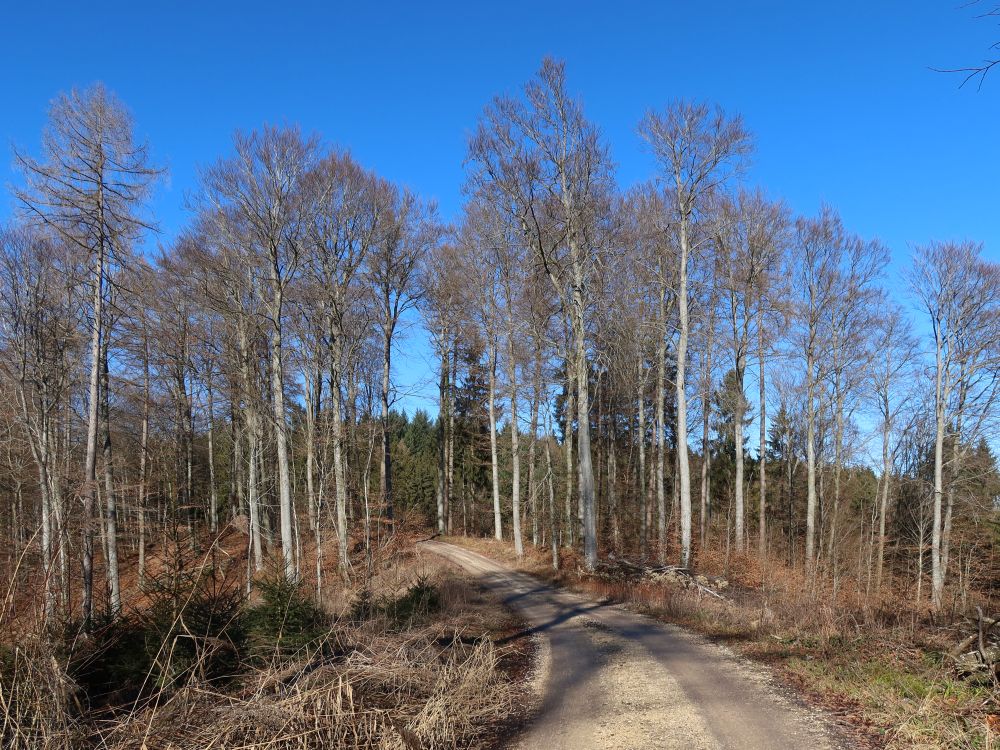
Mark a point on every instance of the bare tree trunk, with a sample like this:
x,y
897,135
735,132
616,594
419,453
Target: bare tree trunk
x,y
642,484
660,427
111,519
536,396
584,461
941,397
494,459
515,449
684,471
762,444
90,464
213,496
554,540
443,398
738,440
570,533
281,449
385,469
810,460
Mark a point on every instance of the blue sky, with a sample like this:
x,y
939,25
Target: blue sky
x,y
840,96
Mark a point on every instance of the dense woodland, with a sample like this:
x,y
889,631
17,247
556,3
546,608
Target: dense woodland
x,y
610,360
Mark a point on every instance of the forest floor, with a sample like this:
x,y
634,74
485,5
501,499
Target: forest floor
x,y
416,654
881,683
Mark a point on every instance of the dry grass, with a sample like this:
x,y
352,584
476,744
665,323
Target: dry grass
x,y
408,672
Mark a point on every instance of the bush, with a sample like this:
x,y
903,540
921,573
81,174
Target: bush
x,y
421,599
286,620
192,629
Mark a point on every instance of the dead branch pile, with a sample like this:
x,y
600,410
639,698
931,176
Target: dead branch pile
x,y
618,569
979,652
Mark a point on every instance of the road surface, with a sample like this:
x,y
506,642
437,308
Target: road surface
x,y
609,679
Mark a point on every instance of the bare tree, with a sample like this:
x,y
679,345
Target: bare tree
x,y
960,293
90,186
408,228
698,149
543,162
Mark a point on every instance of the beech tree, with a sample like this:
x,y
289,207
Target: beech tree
x,y
960,292
540,159
698,150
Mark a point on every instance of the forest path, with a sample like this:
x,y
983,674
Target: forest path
x,y
615,680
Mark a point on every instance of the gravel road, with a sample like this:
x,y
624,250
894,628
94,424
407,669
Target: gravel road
x,y
611,679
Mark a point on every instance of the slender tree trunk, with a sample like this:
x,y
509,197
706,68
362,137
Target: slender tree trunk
x,y
762,444
213,495
660,427
494,458
684,472
941,397
554,540
515,444
641,483
442,443
738,444
111,508
385,469
810,459
570,532
584,461
532,448
281,449
90,463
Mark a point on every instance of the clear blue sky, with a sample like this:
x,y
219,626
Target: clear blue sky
x,y
840,95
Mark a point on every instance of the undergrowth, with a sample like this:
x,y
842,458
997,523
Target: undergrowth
x,y
408,661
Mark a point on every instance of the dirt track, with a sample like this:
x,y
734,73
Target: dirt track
x,y
614,680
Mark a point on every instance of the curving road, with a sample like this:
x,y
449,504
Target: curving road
x,y
613,680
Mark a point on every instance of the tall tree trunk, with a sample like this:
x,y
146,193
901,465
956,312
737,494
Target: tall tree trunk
x,y
494,459
762,444
738,445
584,461
442,442
281,443
660,427
941,393
111,508
570,531
642,484
515,445
683,468
532,449
143,461
90,462
810,459
385,468
213,495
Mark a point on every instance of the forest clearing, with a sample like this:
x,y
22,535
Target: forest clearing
x,y
603,444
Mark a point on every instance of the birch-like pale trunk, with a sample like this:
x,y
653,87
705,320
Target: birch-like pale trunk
x,y
515,445
584,459
90,461
641,483
762,444
660,427
213,495
442,447
111,507
494,457
683,467
290,568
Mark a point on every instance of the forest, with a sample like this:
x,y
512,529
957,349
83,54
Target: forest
x,y
674,373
